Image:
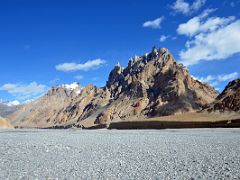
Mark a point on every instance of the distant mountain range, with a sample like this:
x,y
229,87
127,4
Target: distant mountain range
x,y
8,107
152,85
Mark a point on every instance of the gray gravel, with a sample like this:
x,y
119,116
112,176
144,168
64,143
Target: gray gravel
x,y
115,154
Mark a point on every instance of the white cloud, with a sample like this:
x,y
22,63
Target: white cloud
x,y
227,77
163,38
215,80
28,101
181,6
189,28
24,91
198,25
55,80
216,45
207,12
209,38
89,65
79,77
154,24
197,4
206,79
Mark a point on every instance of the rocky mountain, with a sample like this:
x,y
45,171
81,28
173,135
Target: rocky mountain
x,y
151,85
44,111
8,107
229,99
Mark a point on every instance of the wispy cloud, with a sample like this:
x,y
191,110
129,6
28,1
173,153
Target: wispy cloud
x,y
198,25
24,91
89,65
55,80
181,6
154,24
95,78
209,38
78,77
163,38
166,37
215,80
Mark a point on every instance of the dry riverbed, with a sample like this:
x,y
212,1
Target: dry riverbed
x,y
120,154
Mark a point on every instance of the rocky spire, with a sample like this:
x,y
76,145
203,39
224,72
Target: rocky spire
x,y
154,52
115,74
135,59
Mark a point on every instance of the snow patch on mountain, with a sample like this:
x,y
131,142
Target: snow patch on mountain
x,y
13,103
9,103
72,86
75,87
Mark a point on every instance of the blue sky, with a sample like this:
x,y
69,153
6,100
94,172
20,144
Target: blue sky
x,y
44,43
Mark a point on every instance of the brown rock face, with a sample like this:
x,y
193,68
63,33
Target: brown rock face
x,y
60,106
151,85
229,99
155,85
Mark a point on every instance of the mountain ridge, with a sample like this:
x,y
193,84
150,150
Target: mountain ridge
x,y
151,85
8,107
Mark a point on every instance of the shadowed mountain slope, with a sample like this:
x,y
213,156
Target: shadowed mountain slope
x,y
229,99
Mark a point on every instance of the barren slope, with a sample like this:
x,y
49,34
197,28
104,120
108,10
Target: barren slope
x,y
5,124
229,99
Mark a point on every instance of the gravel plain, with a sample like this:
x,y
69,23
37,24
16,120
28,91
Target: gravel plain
x,y
120,154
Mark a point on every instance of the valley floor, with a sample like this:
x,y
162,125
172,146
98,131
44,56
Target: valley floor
x,y
120,154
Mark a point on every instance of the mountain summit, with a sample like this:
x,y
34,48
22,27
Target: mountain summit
x,y
151,85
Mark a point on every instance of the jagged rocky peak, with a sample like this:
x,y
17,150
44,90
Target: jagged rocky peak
x,y
65,89
115,75
155,54
141,68
159,85
118,68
